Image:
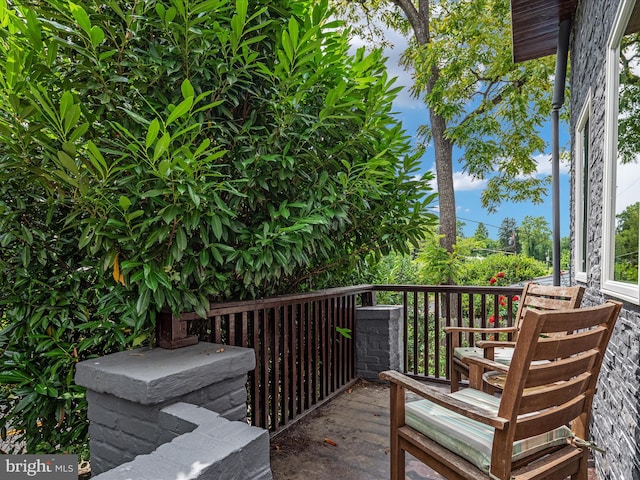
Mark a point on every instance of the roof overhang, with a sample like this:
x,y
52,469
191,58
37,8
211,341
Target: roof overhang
x,y
535,26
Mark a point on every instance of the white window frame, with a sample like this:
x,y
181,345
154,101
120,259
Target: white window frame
x,y
579,191
609,286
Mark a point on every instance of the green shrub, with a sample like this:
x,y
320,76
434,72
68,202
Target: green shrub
x,y
516,269
165,155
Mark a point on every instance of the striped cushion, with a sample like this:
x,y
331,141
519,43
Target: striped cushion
x,y
501,354
470,439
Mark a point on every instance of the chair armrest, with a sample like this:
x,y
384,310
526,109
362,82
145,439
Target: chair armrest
x,y
444,400
486,364
487,330
494,344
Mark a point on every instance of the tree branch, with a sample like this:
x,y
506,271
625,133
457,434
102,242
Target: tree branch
x,y
492,102
419,19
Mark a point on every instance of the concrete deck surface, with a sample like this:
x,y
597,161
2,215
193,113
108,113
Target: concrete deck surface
x,y
357,421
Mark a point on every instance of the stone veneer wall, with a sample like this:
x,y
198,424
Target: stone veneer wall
x,y
616,411
379,340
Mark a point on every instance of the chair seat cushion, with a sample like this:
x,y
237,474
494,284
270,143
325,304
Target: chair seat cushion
x,y
501,354
468,438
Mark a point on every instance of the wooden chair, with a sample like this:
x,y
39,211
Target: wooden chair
x,y
537,297
523,435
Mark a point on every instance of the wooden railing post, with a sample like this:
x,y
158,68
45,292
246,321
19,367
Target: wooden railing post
x,y
368,299
171,332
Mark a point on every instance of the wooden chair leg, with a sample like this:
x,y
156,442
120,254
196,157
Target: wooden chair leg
x,y
455,379
397,463
397,419
583,467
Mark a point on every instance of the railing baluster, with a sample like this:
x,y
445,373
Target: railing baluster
x,y
416,334
336,351
425,322
405,328
231,329
340,344
436,337
483,313
276,385
266,367
293,395
315,359
217,327
286,367
302,355
326,372
310,354
250,322
472,318
352,342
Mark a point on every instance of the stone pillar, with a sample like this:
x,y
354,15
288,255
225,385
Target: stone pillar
x,y
127,391
379,345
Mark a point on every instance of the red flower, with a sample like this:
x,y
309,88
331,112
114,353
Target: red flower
x,y
492,319
493,280
515,298
503,303
500,275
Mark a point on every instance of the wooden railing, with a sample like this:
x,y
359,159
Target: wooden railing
x,y
428,309
302,359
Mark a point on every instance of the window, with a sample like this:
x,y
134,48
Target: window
x,y
582,194
621,220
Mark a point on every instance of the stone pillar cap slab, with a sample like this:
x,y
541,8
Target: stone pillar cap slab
x,y
152,376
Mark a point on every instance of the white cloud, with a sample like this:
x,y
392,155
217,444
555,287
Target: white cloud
x,y
544,165
463,182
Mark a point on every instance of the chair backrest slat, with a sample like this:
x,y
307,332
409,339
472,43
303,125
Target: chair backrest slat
x,y
537,399
557,348
550,420
547,298
561,370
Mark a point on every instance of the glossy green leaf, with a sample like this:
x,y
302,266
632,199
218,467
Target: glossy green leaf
x,y
124,203
80,16
97,35
187,89
161,146
67,162
181,110
152,132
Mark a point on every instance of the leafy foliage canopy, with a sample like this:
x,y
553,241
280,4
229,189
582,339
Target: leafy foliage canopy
x,y
168,154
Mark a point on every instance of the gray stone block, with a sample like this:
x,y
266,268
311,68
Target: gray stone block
x,y
140,428
98,414
105,456
151,376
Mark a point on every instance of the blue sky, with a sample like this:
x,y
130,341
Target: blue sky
x,y
412,112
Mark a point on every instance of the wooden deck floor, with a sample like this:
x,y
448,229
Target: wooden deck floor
x,y
358,423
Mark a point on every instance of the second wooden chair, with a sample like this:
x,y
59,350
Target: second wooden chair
x,y
535,297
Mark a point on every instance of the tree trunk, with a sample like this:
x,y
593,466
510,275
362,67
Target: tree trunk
x,y
419,20
444,173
